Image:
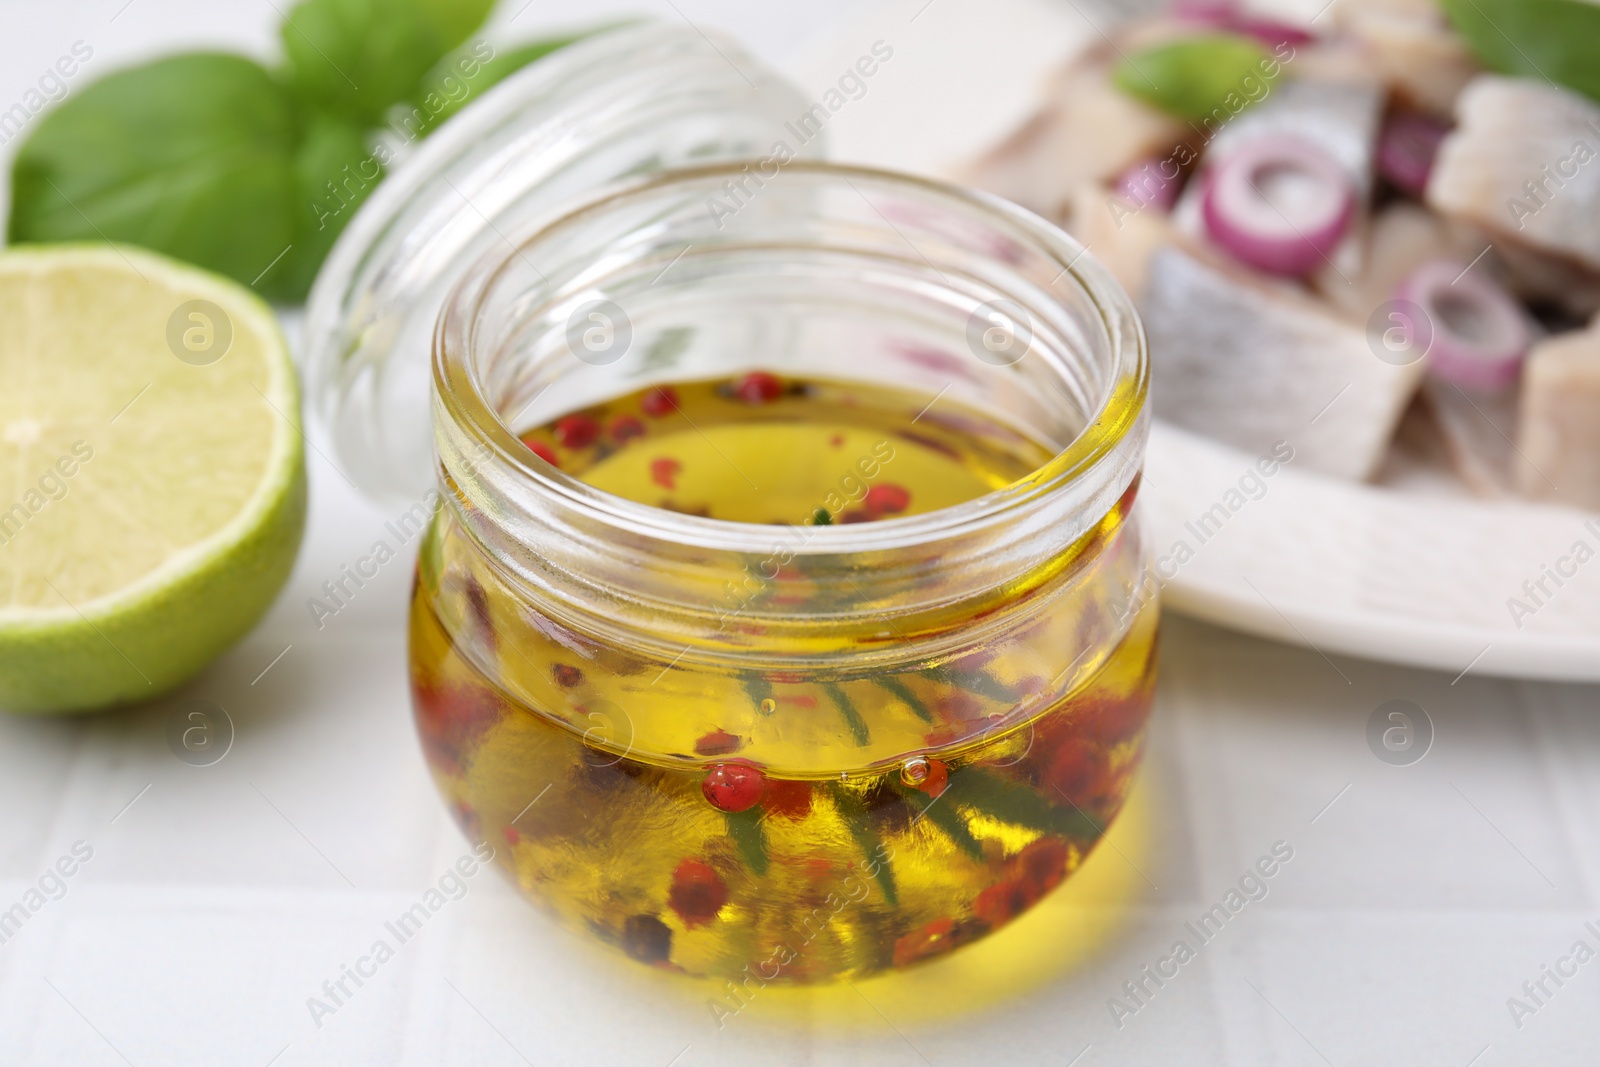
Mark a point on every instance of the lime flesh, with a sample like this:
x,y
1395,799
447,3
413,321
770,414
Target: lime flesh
x,y
152,478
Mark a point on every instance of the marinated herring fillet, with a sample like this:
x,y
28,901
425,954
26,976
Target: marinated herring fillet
x,y
1400,239
1559,436
1478,429
1507,203
1088,132
1521,164
1252,365
1412,48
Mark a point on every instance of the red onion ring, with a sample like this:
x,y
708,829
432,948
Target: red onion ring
x,y
1211,12
1289,239
1143,184
1480,333
1229,16
1407,148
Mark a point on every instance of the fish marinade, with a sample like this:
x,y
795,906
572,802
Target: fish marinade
x,y
758,815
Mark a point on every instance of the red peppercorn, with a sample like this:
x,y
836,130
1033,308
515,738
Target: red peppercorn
x,y
887,499
1042,865
451,717
938,778
660,401
959,705
933,939
577,431
1000,903
975,660
566,675
733,787
1112,718
718,742
787,797
544,452
626,428
664,472
758,387
1078,773
697,892
1035,685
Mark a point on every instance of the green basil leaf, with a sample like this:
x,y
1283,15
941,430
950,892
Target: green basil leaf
x,y
1554,39
874,852
358,58
1010,801
751,841
192,156
901,692
978,682
334,173
950,821
1194,77
847,709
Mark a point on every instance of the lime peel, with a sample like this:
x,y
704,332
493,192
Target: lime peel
x,y
172,540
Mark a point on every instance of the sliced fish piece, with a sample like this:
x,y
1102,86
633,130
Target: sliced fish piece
x,y
1412,48
1535,277
1335,59
1542,278
1524,164
1478,429
1418,461
1251,365
1399,239
1558,439
1088,131
1344,262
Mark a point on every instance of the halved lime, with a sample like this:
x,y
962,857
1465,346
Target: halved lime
x,y
152,478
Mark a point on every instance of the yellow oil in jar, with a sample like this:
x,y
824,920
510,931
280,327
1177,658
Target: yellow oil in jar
x,y
767,825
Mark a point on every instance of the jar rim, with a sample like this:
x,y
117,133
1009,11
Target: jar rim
x,y
1119,413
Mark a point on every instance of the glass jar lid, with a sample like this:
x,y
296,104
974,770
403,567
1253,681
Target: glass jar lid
x,y
627,102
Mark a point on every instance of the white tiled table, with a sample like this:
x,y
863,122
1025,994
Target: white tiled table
x,y
219,899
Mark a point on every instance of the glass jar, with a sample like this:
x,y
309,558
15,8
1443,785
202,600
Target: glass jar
x,y
787,753
633,100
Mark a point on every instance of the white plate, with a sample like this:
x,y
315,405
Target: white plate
x,y
1406,576
1412,577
